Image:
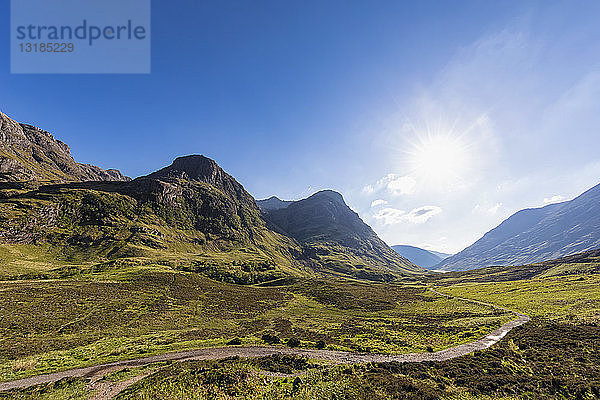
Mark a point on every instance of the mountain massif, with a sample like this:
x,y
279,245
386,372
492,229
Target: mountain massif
x,y
535,235
423,258
60,217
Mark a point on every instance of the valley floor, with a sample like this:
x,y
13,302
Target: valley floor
x,y
50,326
331,356
556,355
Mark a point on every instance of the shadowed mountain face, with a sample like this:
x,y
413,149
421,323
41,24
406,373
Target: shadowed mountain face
x,y
535,235
421,257
334,235
28,153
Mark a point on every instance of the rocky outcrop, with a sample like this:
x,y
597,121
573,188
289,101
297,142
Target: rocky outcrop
x,y
202,169
28,153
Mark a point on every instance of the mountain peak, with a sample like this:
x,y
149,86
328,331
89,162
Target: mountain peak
x,y
325,225
202,169
329,194
192,167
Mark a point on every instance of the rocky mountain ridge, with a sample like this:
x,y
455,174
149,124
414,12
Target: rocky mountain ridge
x,y
335,235
28,153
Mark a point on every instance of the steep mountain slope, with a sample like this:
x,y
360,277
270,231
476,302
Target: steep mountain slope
x,y
535,235
421,257
28,153
190,215
335,237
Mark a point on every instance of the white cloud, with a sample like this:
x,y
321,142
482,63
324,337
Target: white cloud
x,y
397,184
494,209
391,216
422,214
368,189
378,202
553,199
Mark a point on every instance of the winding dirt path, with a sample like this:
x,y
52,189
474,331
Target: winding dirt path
x,y
106,390
336,357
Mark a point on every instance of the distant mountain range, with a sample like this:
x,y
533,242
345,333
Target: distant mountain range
x,y
535,235
190,215
424,258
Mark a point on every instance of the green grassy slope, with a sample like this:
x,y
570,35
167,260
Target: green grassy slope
x,y
86,224
128,310
564,289
540,360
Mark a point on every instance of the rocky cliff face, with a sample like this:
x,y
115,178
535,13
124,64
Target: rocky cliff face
x,y
199,189
28,153
202,169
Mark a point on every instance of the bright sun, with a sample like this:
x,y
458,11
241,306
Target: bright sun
x,y
440,158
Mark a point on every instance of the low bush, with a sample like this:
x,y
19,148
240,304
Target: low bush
x,y
270,339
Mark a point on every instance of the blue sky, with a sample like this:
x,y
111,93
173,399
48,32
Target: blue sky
x,y
436,120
